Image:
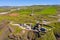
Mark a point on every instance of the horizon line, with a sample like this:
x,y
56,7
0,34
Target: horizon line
x,y
31,5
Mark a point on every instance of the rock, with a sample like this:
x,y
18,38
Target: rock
x,y
31,14
11,36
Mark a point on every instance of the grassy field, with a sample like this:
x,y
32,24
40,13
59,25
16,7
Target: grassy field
x,y
48,10
3,10
24,15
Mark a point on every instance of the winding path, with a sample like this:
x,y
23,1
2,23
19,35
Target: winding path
x,y
51,22
28,27
17,25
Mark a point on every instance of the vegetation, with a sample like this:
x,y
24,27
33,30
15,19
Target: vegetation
x,y
3,10
39,13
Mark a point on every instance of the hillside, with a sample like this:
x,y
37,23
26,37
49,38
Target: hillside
x,y
32,14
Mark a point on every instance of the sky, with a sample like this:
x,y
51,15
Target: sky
x,y
28,2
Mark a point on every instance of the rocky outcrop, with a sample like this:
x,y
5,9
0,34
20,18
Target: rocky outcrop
x,y
23,35
32,35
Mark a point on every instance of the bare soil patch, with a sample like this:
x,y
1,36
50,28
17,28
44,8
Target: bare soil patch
x,y
14,14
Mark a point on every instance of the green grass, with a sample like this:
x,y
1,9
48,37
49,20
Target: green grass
x,y
25,18
44,11
16,29
48,36
3,10
48,11
57,27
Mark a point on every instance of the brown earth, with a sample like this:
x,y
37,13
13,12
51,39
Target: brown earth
x,y
13,14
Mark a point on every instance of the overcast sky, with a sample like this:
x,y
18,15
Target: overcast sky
x,y
28,2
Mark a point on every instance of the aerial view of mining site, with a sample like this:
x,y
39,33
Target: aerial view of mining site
x,y
29,19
